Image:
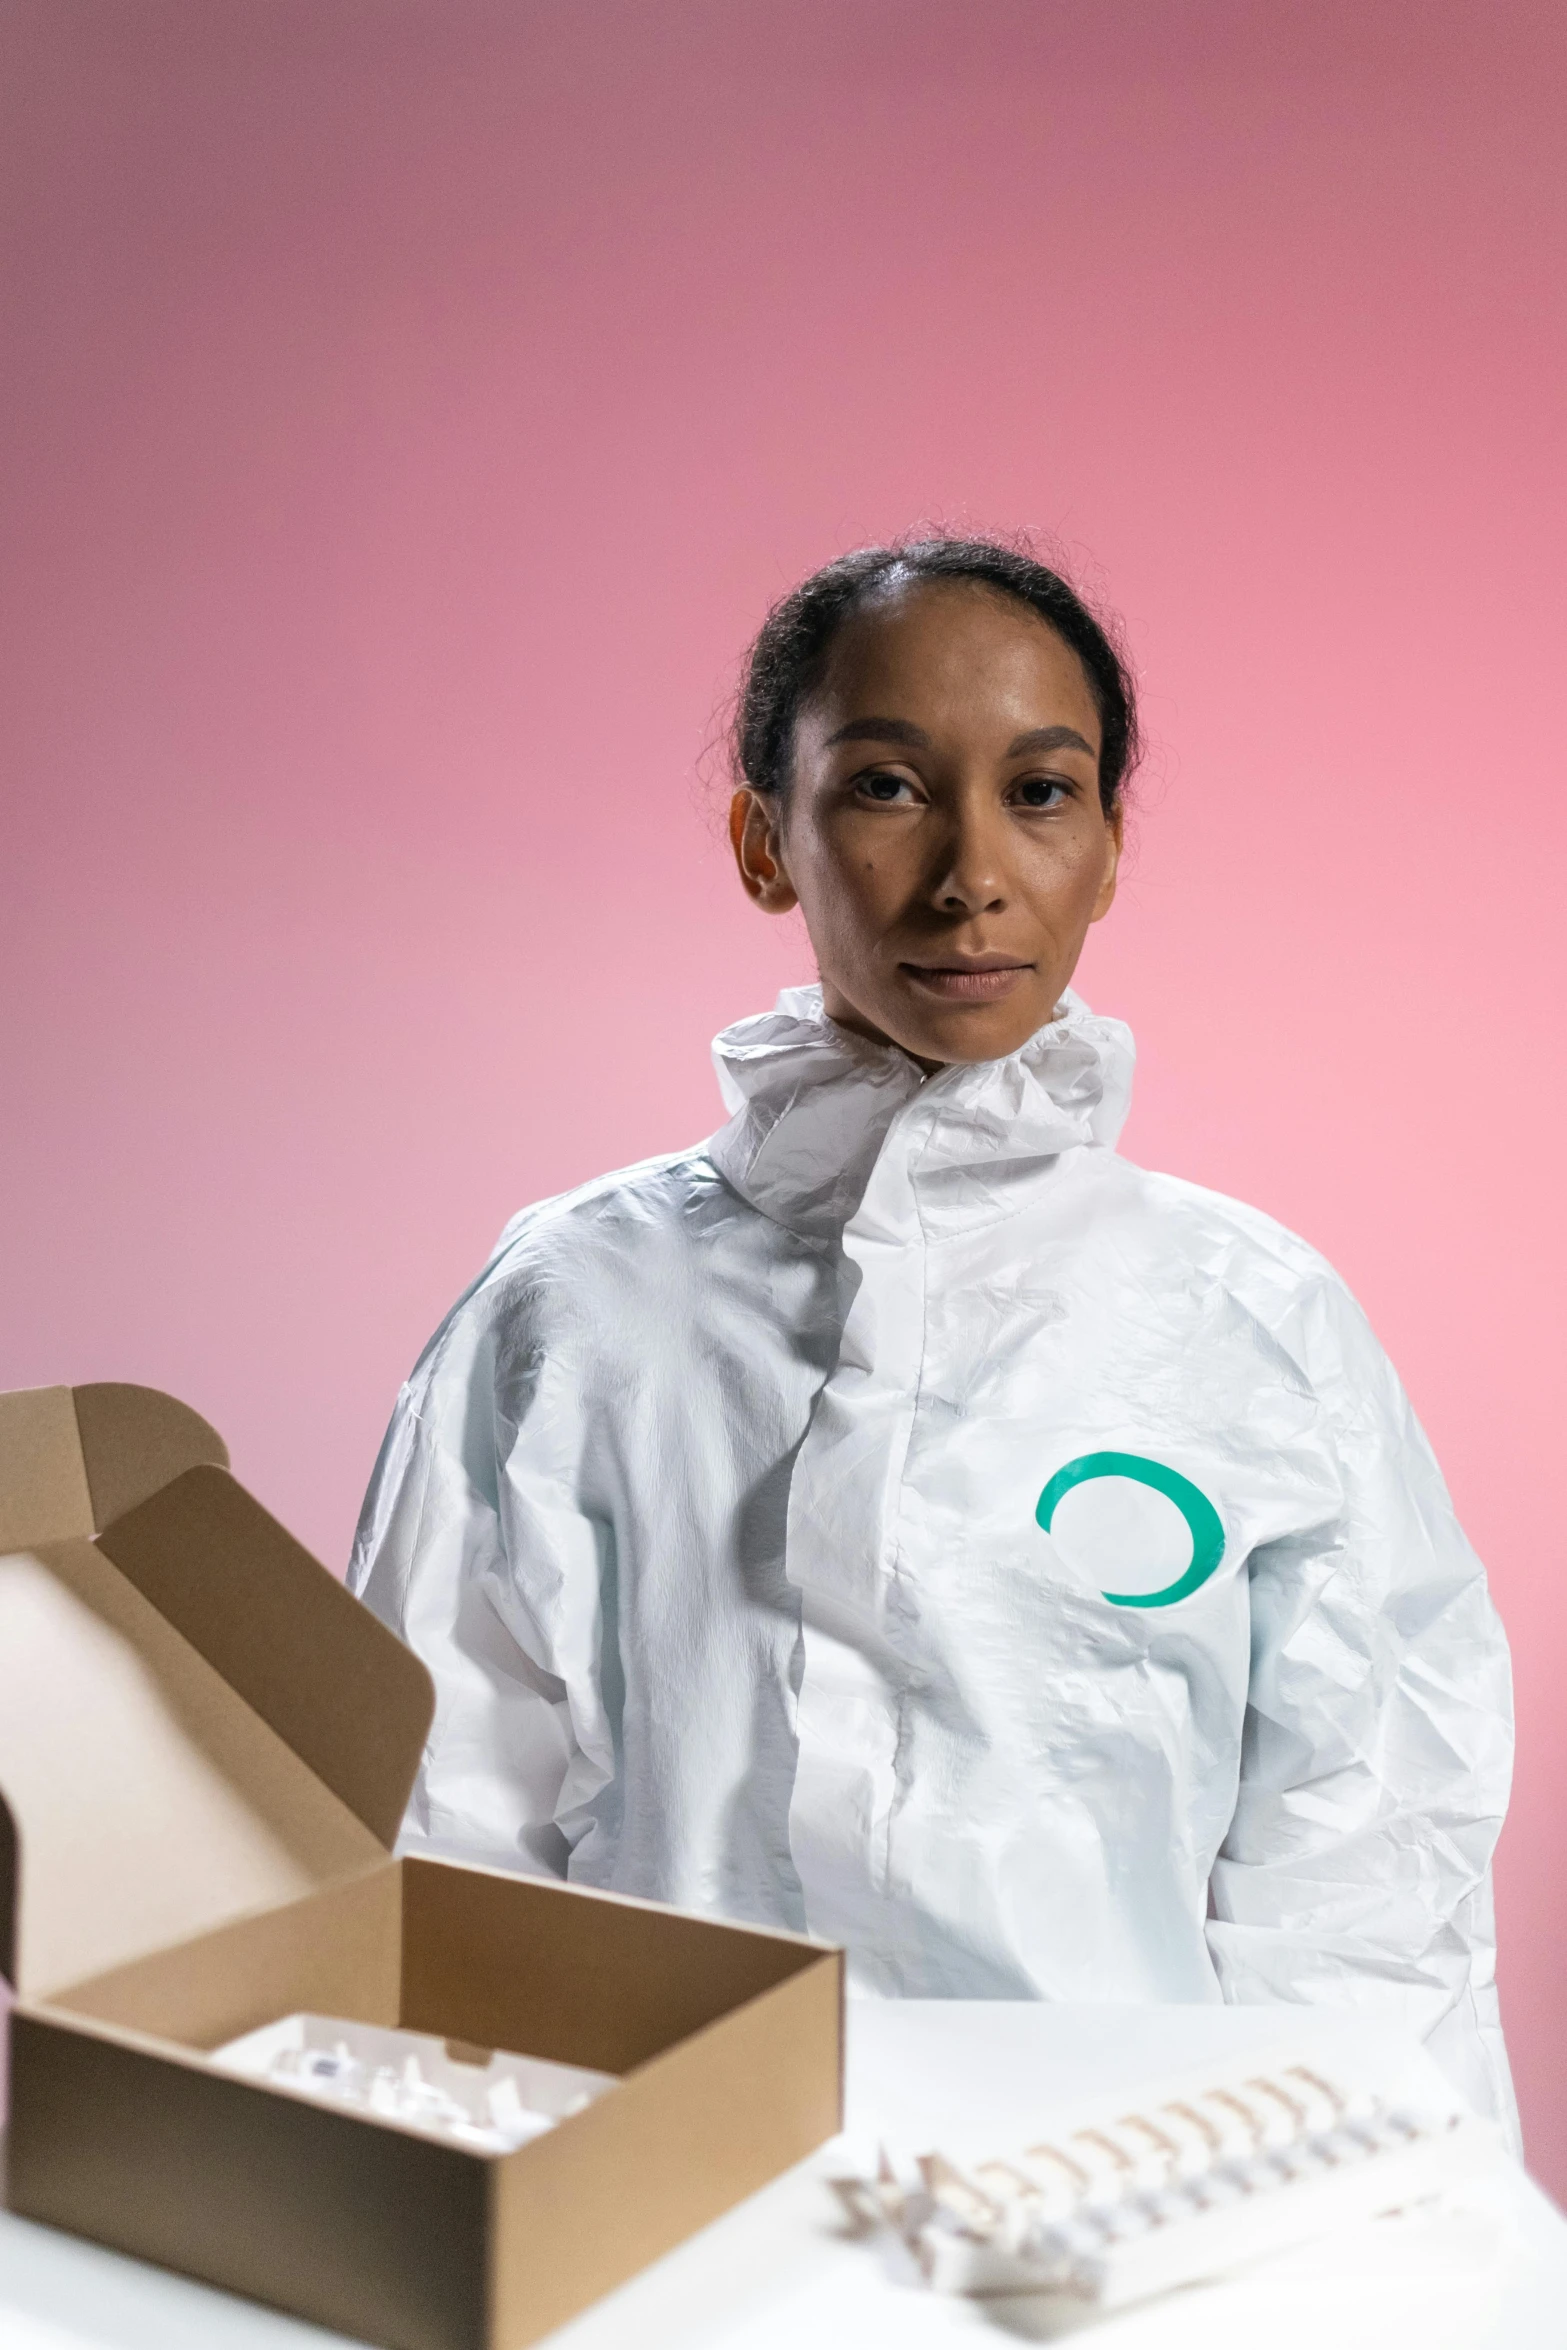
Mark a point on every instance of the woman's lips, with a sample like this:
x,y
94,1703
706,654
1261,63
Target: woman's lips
x,y
968,983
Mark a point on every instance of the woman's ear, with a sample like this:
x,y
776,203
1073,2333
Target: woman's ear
x,y
1115,835
755,823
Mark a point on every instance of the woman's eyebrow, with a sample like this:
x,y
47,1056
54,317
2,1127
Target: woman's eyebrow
x,y
1050,738
902,730
881,730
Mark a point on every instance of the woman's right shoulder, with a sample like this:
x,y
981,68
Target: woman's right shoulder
x,y
545,1318
652,1194
561,1262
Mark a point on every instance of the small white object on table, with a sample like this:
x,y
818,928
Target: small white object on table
x,y
785,2271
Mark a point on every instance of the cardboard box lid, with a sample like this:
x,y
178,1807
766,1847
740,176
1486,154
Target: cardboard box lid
x,y
196,1718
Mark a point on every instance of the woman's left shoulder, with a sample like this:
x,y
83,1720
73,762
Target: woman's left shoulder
x,y
1264,1266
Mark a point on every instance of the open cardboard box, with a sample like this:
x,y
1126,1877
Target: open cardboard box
x,y
206,1745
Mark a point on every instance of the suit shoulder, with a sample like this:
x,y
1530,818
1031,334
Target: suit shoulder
x,y
1268,1268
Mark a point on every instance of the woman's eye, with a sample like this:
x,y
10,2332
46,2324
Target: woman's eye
x,y
1041,791
883,787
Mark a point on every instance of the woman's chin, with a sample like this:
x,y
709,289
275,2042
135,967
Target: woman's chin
x,y
948,1032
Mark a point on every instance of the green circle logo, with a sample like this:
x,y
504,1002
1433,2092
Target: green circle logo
x,y
1203,1520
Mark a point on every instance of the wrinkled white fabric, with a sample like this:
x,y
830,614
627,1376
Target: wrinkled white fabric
x,y
717,1508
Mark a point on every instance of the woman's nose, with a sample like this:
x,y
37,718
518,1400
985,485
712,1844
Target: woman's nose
x,y
970,877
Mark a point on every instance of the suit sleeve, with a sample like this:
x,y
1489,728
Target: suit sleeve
x,y
471,1549
1377,1751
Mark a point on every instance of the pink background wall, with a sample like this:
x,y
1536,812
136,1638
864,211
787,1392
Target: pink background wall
x,y
410,411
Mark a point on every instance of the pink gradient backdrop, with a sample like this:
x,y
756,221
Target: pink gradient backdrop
x,y
409,412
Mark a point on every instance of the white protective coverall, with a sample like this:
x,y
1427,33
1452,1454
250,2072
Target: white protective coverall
x,y
903,1518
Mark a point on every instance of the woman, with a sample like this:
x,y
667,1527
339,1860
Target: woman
x,y
900,1517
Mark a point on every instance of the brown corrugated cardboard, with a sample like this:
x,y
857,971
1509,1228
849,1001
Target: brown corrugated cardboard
x,y
195,1718
207,1745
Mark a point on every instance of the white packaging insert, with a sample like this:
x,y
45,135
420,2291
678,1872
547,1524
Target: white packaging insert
x,y
491,2102
1205,2173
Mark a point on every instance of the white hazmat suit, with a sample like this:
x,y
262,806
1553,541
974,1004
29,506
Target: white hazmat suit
x,y
903,1518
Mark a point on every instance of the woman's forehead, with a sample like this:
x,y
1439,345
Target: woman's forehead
x,y
956,647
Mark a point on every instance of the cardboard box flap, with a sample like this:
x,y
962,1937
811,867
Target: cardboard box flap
x,y
344,1692
73,1458
134,1440
43,1478
196,1719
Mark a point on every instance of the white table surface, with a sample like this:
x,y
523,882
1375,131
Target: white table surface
x,y
784,2272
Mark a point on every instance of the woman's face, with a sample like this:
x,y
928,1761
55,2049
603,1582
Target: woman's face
x,y
943,833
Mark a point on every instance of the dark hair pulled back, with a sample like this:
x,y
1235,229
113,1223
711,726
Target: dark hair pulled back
x,y
789,658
